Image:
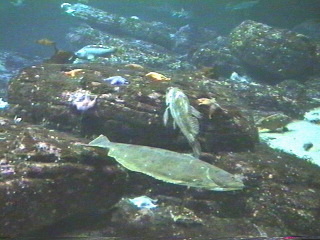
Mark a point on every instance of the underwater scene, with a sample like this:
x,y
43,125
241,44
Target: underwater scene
x,y
159,119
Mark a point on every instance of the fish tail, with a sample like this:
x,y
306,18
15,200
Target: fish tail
x,y
196,148
101,141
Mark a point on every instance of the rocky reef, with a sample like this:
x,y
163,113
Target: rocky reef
x,y
279,52
45,177
216,54
47,94
10,64
41,94
156,32
48,178
179,40
127,50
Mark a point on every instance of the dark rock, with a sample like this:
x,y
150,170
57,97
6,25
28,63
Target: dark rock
x,y
127,50
10,64
217,55
290,96
179,40
285,180
183,39
312,90
281,194
317,66
129,113
280,198
45,177
190,36
12,61
155,32
279,52
310,28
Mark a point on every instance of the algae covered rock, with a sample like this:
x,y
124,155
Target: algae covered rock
x,y
280,52
280,198
309,28
129,113
44,179
217,54
155,32
128,51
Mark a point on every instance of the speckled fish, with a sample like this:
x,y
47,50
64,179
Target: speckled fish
x,y
169,166
90,52
184,115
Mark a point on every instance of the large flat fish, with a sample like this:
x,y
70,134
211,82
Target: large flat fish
x,y
169,166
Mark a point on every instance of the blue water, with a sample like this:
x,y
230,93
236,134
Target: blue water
x,y
21,25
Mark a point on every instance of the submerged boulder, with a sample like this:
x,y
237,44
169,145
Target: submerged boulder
x,y
310,28
180,40
127,50
10,65
216,54
155,32
279,52
280,198
75,98
44,178
131,113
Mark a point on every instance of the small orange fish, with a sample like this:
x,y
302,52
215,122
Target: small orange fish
x,y
134,66
157,76
46,42
73,73
204,101
213,105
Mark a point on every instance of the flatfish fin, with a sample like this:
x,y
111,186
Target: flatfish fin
x,y
101,141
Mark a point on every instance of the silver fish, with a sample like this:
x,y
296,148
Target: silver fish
x,y
90,52
184,115
169,166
